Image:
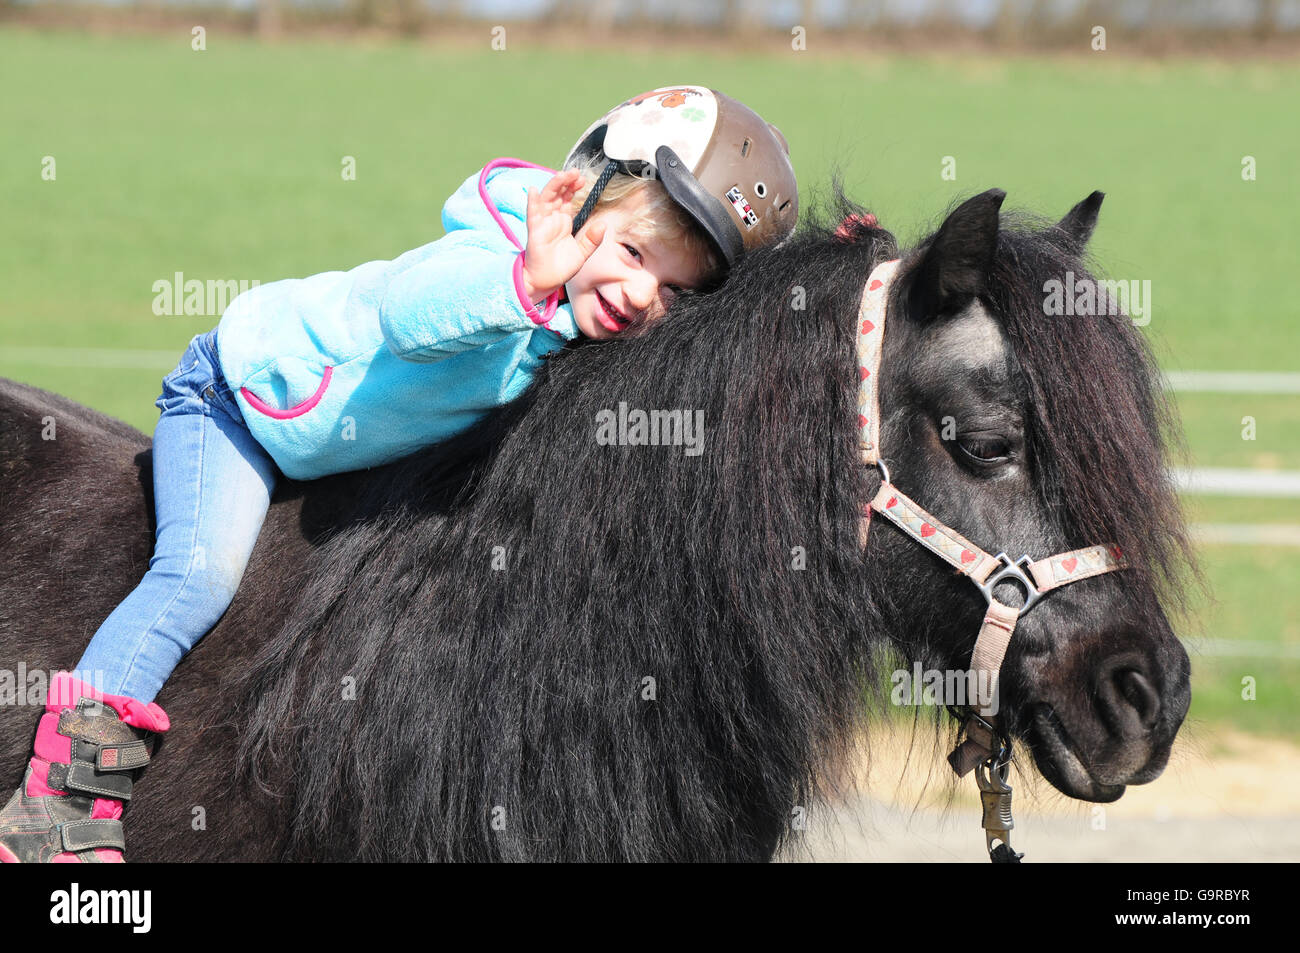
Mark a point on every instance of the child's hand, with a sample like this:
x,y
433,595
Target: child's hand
x,y
554,254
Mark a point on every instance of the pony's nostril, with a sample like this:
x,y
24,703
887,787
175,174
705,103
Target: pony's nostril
x,y
1137,690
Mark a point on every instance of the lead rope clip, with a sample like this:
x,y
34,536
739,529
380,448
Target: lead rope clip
x,y
995,796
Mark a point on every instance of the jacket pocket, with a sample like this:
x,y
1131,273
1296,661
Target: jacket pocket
x,y
281,383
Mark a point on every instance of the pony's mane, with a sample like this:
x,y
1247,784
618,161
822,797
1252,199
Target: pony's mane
x,y
608,652
1101,427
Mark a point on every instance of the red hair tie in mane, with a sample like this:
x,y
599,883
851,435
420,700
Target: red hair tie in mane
x,y
848,230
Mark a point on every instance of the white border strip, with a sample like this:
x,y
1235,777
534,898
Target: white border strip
x,y
92,357
1233,382
1229,648
1205,382
1246,534
1223,481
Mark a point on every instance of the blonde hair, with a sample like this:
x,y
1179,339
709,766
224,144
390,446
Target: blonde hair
x,y
661,217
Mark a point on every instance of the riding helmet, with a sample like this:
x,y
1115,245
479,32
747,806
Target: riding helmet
x,y
717,158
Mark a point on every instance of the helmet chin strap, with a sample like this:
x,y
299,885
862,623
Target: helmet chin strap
x,y
594,195
986,744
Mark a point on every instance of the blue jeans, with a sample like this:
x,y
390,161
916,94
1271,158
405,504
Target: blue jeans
x,y
212,485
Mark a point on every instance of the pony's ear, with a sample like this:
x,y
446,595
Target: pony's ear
x,y
956,263
1081,220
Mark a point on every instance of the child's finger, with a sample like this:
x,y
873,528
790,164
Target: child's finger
x,y
539,205
589,238
565,184
558,183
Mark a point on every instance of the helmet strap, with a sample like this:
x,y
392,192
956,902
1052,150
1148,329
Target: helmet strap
x,y
594,195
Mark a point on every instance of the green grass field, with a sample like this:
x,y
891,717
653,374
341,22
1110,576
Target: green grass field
x,y
227,163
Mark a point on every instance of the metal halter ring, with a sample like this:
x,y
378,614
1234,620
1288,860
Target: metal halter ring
x,y
1012,571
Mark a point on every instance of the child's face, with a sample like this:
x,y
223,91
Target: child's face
x,y
633,277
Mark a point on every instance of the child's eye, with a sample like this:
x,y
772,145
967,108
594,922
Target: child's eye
x,y
633,252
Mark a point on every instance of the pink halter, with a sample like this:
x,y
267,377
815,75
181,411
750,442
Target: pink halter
x,y
983,745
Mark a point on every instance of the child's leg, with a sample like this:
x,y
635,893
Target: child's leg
x,y
212,486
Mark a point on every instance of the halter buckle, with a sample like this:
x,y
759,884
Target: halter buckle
x,y
1012,571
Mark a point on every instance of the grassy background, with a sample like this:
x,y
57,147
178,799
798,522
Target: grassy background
x,y
226,164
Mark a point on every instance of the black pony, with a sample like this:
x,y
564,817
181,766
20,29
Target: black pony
x,y
529,644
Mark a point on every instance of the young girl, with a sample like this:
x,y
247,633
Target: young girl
x,y
346,370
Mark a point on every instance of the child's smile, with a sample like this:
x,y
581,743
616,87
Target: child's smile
x,y
611,317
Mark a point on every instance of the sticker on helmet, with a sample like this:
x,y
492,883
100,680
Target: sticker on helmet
x,y
742,206
669,97
680,117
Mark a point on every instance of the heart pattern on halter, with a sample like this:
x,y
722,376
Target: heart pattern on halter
x,y
930,533
983,569
871,332
1077,564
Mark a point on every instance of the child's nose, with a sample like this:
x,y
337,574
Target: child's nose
x,y
643,291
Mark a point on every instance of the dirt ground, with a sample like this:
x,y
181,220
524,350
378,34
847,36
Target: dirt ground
x,y
1224,797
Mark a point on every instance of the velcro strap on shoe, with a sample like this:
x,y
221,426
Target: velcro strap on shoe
x,y
80,777
96,832
120,756
127,757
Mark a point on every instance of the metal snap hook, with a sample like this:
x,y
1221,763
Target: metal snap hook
x,y
995,799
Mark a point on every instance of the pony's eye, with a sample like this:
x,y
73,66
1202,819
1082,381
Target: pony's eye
x,y
984,449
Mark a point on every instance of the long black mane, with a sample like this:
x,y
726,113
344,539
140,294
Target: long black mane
x,y
607,652
1101,427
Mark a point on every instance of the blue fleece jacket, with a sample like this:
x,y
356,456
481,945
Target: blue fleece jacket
x,y
345,370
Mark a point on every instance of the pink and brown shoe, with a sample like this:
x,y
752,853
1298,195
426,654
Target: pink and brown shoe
x,y
88,749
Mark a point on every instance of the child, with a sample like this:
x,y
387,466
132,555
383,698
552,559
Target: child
x,y
345,370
